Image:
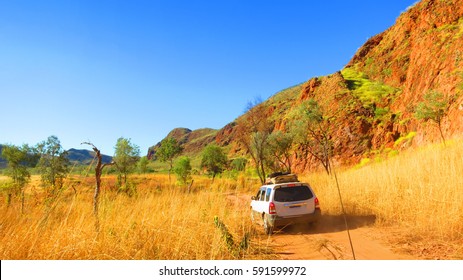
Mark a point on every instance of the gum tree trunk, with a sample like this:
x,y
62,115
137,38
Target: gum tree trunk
x,y
98,171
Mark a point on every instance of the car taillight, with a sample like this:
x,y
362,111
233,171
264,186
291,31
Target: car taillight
x,y
317,203
271,208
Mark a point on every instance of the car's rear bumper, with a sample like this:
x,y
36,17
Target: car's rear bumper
x,y
277,221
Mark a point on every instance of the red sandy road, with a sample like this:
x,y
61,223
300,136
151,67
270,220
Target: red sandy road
x,y
330,241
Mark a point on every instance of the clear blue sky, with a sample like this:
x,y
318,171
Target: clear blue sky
x,y
99,70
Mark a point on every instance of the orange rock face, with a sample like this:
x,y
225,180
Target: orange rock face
x,y
422,51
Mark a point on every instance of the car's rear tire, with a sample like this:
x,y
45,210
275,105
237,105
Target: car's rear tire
x,y
268,228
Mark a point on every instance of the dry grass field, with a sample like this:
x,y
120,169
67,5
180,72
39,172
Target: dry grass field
x,y
417,194
416,198
161,222
421,190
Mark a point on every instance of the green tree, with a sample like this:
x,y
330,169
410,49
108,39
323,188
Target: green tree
x,y
258,150
53,163
214,160
168,150
125,159
280,149
182,169
434,107
312,127
17,159
143,165
252,131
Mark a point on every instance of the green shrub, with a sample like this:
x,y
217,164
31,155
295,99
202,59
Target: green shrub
x,y
182,169
405,140
370,93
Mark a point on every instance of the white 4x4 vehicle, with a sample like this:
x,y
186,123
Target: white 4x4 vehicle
x,y
283,201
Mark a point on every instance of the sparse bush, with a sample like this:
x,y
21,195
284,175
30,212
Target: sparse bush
x,y
182,169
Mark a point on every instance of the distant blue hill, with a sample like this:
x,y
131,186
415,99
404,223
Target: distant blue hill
x,y
85,156
75,156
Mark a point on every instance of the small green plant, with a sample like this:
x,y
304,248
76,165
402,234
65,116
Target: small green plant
x,y
363,162
387,72
380,112
229,240
393,153
460,85
405,140
227,236
182,169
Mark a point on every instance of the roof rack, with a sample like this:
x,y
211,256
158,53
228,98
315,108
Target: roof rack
x,y
281,177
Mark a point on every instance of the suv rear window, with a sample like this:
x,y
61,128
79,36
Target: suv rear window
x,y
296,193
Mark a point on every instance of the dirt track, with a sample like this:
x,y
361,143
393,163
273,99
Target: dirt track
x,y
329,241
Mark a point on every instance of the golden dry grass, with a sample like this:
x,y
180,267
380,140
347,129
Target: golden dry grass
x,y
161,222
420,191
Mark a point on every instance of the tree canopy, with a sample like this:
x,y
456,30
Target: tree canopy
x,y
18,159
253,131
53,162
182,169
168,150
125,158
434,107
214,160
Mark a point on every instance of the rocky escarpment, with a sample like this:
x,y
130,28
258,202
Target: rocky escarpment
x,y
192,141
422,51
376,94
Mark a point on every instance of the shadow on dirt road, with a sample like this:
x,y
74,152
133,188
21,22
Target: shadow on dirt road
x,y
329,224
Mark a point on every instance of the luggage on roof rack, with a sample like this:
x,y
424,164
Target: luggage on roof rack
x,y
281,177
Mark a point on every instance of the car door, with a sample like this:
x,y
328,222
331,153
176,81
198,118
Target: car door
x,y
258,204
